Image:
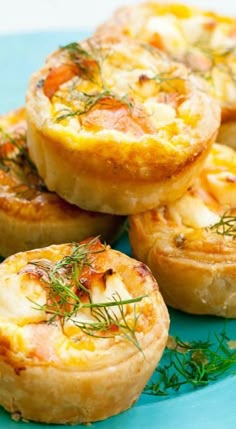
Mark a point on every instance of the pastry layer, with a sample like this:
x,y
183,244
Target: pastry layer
x,y
190,244
227,134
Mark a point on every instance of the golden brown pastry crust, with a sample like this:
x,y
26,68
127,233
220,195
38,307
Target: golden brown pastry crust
x,y
194,265
141,141
31,216
227,134
57,373
203,40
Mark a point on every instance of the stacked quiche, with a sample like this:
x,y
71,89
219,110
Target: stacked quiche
x,y
189,243
31,216
121,124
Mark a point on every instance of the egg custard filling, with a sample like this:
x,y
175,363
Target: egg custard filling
x,y
30,215
190,244
205,41
82,328
113,111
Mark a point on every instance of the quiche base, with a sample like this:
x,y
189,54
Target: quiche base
x,y
52,395
113,194
18,235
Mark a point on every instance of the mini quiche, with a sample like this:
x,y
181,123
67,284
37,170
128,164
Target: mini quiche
x,y
30,215
203,40
82,328
190,245
117,127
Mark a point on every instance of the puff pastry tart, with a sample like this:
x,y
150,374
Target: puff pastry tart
x,y
82,328
116,127
203,40
30,216
190,245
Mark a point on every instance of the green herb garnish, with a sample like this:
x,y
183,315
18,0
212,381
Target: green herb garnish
x,y
17,162
87,64
89,101
226,225
66,289
195,364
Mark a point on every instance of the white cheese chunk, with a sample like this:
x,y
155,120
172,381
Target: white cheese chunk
x,y
115,290
17,297
194,27
167,28
192,212
160,113
109,290
220,39
223,187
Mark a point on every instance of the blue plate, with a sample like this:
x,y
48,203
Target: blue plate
x,y
206,408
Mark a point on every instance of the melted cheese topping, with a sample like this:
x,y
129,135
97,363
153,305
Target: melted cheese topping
x,y
203,40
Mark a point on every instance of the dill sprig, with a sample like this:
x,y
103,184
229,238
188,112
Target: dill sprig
x,y
155,51
89,101
166,78
169,83
226,226
87,64
65,292
110,321
217,60
18,143
17,161
195,364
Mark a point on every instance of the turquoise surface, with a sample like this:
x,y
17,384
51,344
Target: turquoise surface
x,y
205,408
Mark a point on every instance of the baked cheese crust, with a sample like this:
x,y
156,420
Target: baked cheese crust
x,y
30,215
189,245
82,328
124,126
203,40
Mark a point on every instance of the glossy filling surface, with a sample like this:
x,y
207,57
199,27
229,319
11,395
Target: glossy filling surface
x,y
121,88
204,41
